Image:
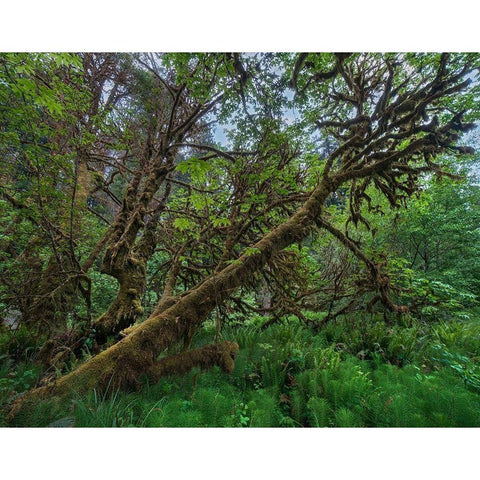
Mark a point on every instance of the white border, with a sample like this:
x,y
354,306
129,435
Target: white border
x,y
247,25
239,453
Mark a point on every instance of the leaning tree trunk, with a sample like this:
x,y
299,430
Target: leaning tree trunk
x,y
122,364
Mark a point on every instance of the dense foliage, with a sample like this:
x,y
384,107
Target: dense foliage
x,y
243,239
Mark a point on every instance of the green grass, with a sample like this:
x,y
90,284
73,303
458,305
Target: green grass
x,y
357,372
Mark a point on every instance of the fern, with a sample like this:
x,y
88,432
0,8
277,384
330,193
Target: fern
x,y
264,409
318,412
346,418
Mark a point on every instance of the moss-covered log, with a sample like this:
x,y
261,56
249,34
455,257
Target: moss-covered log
x,y
122,364
216,354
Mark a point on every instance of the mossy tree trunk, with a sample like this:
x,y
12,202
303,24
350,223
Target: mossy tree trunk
x,y
127,306
123,363
126,257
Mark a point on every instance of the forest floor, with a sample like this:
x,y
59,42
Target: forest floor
x,y
356,372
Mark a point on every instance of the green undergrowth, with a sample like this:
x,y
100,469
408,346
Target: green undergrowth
x,y
355,372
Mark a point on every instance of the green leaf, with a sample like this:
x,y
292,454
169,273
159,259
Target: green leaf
x,y
183,224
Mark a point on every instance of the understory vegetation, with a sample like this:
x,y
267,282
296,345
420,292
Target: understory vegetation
x,y
357,372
